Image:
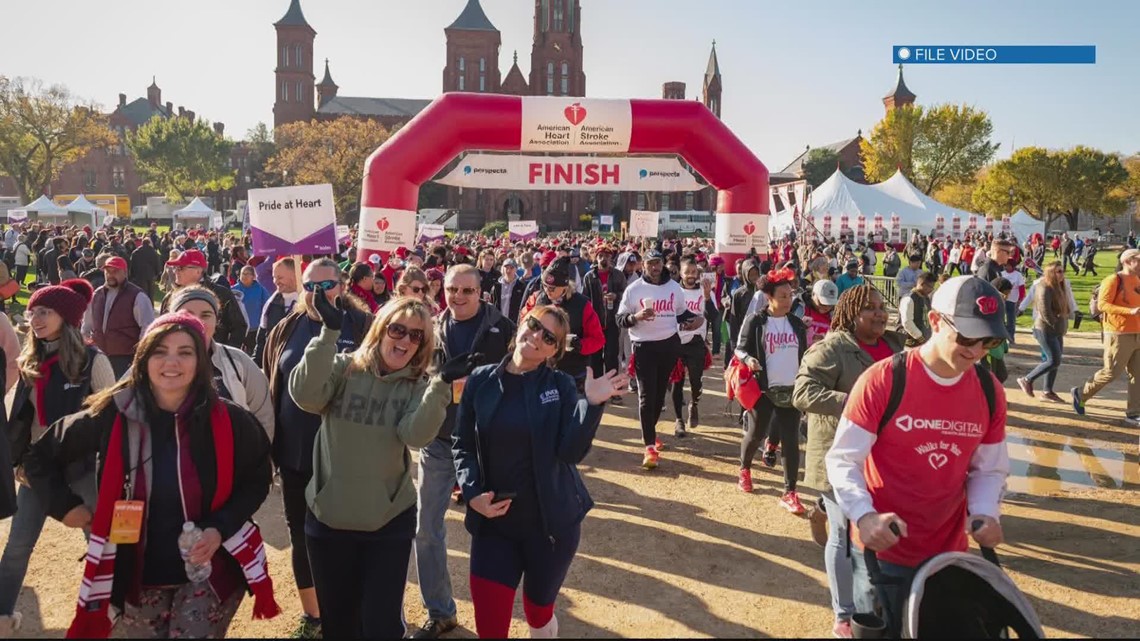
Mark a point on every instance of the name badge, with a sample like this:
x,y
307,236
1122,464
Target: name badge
x,y
126,522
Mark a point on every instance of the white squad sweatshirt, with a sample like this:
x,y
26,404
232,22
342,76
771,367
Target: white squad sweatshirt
x,y
668,303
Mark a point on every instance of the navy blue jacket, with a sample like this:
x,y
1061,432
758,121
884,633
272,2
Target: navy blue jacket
x,y
563,430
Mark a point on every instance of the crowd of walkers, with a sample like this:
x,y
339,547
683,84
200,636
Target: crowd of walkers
x,y
492,361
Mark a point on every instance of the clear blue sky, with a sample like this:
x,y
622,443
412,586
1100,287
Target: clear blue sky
x,y
794,73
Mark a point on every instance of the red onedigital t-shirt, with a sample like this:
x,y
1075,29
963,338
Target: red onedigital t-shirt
x,y
918,465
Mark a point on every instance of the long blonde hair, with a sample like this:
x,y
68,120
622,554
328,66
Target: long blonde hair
x,y
72,355
367,357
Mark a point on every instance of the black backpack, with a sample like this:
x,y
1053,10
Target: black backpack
x,y
898,387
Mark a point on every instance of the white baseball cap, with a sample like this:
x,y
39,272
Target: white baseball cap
x,y
825,292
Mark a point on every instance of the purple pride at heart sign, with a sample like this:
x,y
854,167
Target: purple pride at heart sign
x,y
293,220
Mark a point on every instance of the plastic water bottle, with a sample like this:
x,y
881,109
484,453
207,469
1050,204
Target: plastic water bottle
x,y
191,534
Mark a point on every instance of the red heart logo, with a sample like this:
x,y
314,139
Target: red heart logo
x,y
749,228
575,113
382,224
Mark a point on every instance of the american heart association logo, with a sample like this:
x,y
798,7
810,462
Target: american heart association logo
x,y
749,228
575,113
938,460
382,224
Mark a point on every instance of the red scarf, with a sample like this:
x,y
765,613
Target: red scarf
x,y
41,388
246,547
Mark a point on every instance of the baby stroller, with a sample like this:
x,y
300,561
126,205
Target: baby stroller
x,y
956,595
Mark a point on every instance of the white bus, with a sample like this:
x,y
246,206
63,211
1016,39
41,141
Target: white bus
x,y
686,223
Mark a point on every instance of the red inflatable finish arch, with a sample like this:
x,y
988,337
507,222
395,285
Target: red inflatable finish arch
x,y
458,122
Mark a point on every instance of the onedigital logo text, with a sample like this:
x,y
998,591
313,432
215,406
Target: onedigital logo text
x,y
944,426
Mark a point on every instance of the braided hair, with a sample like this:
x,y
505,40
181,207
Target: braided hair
x,y
852,303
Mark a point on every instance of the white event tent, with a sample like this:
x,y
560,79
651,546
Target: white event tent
x,y
1025,225
83,212
839,197
41,208
197,212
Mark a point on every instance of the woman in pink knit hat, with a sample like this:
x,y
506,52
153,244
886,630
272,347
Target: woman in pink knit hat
x,y
56,373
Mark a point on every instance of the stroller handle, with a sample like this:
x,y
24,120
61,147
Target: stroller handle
x,y
876,572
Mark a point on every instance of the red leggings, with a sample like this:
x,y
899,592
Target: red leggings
x,y
499,564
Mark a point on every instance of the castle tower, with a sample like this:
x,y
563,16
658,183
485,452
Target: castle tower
x,y
472,52
556,56
294,73
326,90
900,96
713,84
673,91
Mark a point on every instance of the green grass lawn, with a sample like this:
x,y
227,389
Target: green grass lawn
x,y
1082,285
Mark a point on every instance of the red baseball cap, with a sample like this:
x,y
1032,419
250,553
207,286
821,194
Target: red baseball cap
x,y
115,262
189,258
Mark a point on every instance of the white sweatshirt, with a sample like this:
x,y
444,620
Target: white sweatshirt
x,y
668,301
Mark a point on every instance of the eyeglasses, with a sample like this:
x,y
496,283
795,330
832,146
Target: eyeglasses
x,y
397,331
987,343
320,285
548,337
466,291
417,289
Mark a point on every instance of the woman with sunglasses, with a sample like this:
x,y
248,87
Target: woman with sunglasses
x,y
925,467
374,404
772,343
297,428
519,435
414,282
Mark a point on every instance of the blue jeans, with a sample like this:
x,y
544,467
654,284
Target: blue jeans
x,y
1052,345
837,562
437,478
27,524
1011,321
887,600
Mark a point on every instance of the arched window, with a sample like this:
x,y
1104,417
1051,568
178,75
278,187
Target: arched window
x,y
462,83
285,54
300,92
462,63
482,74
550,78
664,198
284,91
297,56
482,65
689,200
565,79
641,200
558,15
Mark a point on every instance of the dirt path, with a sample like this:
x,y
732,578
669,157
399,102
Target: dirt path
x,y
679,552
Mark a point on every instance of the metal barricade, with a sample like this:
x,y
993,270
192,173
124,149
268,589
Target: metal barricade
x,y
887,287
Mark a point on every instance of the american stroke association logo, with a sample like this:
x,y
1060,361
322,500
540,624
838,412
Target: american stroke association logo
x,y
383,224
575,113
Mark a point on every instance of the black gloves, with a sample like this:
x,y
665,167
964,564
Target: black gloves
x,y
460,366
331,315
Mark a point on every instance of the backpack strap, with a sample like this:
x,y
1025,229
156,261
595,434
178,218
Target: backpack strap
x,y
898,387
987,381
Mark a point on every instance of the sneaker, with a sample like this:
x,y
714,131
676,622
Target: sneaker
x,y
433,628
694,416
841,629
791,502
819,524
679,429
1026,386
1078,402
457,494
649,461
1051,396
769,456
308,628
745,481
1132,420
658,445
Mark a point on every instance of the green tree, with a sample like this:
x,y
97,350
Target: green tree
x,y
259,140
1130,190
934,146
819,164
959,195
1051,184
178,157
42,130
331,152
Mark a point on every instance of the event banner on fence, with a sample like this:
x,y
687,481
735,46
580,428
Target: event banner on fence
x,y
522,230
740,233
643,224
575,125
293,220
430,233
572,173
385,230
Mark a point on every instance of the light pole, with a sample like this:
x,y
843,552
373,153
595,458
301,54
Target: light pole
x,y
1011,200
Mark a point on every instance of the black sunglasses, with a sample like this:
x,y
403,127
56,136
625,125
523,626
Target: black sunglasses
x,y
417,289
397,331
548,337
987,343
320,285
